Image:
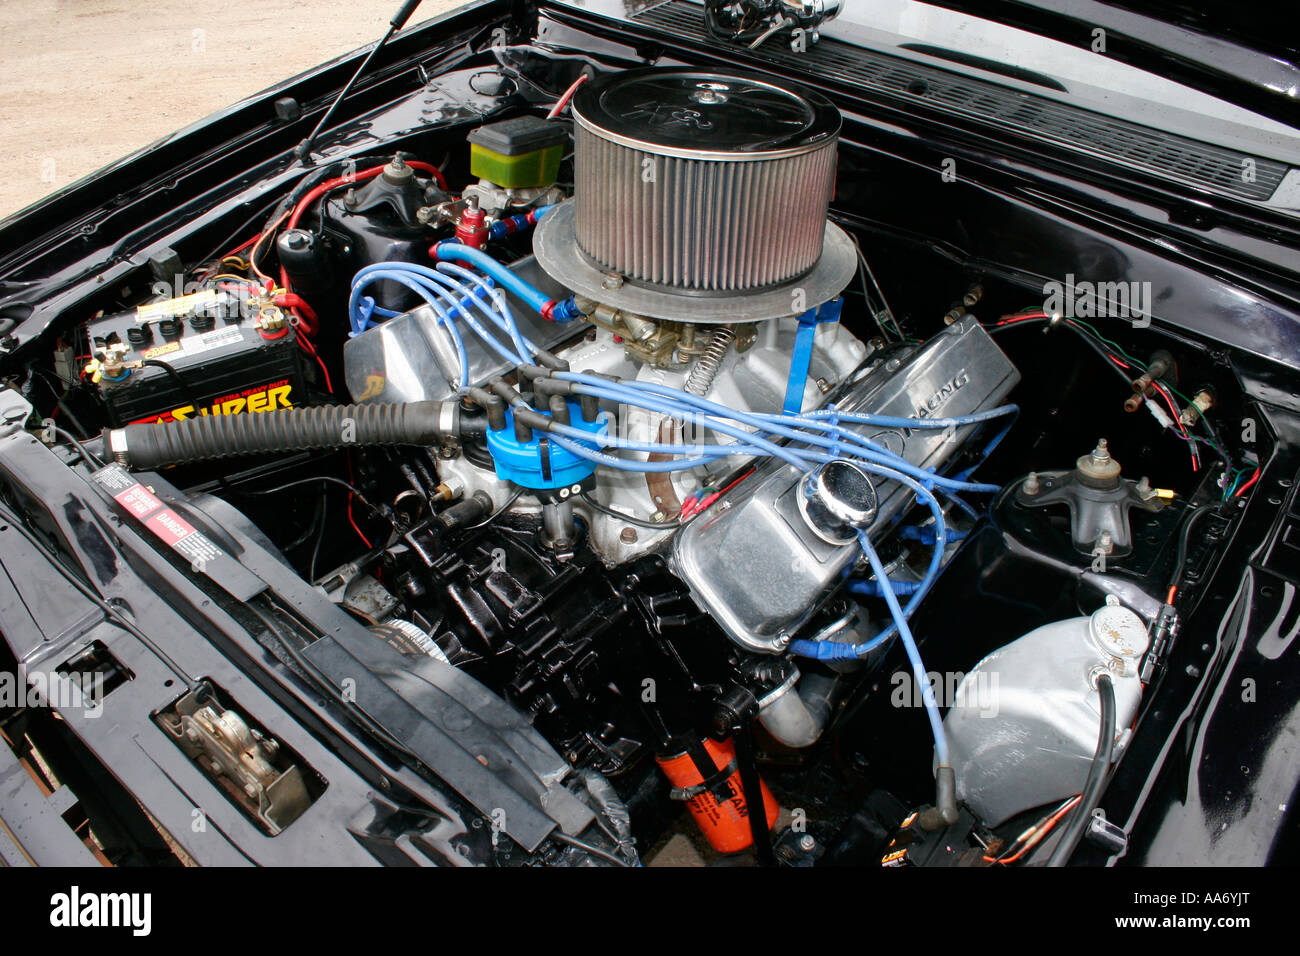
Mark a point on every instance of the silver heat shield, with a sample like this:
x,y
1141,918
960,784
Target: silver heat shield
x,y
755,565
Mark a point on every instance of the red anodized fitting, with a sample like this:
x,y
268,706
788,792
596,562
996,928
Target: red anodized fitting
x,y
471,228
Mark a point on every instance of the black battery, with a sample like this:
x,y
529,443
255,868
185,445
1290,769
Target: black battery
x,y
208,353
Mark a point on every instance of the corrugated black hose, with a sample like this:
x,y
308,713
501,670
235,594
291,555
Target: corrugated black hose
x,y
146,446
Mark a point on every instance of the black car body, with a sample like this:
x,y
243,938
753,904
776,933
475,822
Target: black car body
x,y
534,747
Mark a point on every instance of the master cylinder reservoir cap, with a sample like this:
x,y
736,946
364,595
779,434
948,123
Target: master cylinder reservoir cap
x,y
1120,633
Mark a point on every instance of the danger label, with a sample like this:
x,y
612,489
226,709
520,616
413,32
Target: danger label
x,y
165,524
162,520
169,526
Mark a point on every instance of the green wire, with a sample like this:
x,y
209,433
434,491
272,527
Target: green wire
x,y
1143,366
1129,358
1237,475
1105,341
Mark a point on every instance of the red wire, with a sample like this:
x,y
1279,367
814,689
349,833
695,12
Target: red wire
x,y
1039,836
1020,317
694,506
252,256
307,319
1253,478
1169,400
351,520
1178,423
736,482
241,247
331,184
306,345
567,95
432,170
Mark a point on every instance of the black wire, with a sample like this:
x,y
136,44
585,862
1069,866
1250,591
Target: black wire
x,y
1101,352
496,514
864,271
1212,442
639,522
328,479
238,236
1096,780
1214,436
185,388
320,537
1081,333
46,377
1184,543
751,786
187,393
86,456
317,516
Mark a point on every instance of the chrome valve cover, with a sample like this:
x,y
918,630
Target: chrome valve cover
x,y
757,566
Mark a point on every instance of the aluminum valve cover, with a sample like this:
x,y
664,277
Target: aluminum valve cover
x,y
757,567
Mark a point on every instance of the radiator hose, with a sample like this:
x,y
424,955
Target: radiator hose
x,y
146,446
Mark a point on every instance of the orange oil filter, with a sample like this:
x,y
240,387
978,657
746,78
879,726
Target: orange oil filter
x,y
724,818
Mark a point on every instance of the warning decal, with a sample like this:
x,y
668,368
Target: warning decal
x,y
166,525
164,522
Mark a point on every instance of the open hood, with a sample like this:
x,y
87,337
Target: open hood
x,y
1233,51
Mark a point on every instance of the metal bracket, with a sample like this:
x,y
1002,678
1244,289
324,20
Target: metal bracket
x,y
1109,836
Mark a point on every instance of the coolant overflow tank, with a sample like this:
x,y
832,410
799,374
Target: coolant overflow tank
x,y
1023,725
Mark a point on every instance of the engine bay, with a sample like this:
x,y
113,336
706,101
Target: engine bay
x,y
616,402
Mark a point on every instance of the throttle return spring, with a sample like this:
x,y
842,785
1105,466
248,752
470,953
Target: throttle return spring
x,y
702,374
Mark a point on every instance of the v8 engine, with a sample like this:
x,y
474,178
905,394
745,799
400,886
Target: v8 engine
x,y
619,434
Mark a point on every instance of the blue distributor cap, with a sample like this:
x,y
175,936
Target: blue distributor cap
x,y
541,463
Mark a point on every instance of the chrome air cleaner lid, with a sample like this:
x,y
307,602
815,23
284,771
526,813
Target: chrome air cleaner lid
x,y
706,115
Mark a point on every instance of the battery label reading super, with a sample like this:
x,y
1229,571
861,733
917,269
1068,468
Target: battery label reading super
x,y
260,398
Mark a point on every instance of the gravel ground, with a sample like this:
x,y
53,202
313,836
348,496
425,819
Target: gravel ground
x,y
85,82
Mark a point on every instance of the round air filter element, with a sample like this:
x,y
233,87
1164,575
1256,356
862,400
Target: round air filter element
x,y
703,183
